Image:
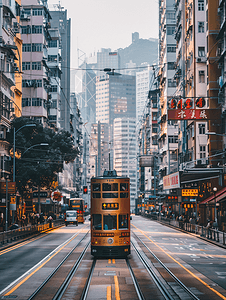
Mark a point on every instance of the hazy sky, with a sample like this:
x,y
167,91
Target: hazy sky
x,y
97,24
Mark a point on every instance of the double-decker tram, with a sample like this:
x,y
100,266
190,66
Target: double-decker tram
x,y
110,215
78,205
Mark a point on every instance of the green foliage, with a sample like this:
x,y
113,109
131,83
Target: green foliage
x,y
40,164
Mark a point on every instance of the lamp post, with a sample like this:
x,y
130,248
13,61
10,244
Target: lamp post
x,y
215,205
42,144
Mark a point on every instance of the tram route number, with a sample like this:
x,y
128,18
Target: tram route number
x,y
109,206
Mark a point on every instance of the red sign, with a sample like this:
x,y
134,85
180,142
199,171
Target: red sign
x,y
171,181
194,114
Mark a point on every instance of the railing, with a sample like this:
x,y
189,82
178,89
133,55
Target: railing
x,y
208,233
23,232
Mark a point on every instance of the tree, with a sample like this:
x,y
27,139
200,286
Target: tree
x,y
39,165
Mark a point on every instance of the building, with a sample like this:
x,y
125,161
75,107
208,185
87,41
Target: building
x,y
168,134
125,153
59,20
35,22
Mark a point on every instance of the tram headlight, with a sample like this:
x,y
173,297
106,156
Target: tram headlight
x,y
110,241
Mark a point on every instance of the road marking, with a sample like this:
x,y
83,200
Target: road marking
x,y
117,295
196,277
37,267
109,292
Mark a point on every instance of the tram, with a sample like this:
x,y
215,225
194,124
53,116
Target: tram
x,y
110,215
78,205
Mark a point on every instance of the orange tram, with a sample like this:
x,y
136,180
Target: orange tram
x,y
110,215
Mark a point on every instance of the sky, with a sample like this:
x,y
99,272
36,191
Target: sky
x,y
97,24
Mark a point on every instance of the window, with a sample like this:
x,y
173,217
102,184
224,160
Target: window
x,y
124,186
37,11
171,48
172,83
26,11
173,139
110,222
202,152
52,118
201,76
53,104
96,187
170,30
39,83
201,5
36,65
110,195
26,66
171,66
36,29
124,195
52,57
97,195
37,47
201,27
202,128
26,102
201,51
26,29
123,221
97,222
52,44
110,187
26,48
36,102
53,89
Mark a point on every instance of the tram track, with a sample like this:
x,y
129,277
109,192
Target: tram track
x,y
153,271
39,293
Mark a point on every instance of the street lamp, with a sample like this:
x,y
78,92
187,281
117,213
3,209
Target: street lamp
x,y
14,146
42,144
215,205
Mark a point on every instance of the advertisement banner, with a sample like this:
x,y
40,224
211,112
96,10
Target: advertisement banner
x,y
194,114
171,181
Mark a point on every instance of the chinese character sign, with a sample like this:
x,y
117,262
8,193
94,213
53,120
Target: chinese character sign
x,y
194,114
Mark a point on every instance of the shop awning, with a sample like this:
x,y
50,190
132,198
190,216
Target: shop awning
x,y
218,196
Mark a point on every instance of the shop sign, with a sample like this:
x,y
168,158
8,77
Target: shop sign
x,y
194,114
189,192
171,181
11,187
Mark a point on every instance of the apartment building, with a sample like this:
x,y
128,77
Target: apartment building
x,y
167,84
35,22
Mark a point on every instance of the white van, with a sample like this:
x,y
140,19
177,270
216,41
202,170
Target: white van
x,y
71,217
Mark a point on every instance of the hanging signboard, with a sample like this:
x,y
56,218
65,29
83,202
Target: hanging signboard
x,y
194,114
171,181
190,192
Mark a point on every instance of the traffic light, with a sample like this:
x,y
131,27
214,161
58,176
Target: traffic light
x,y
85,189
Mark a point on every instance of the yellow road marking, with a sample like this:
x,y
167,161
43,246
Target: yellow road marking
x,y
109,292
117,295
196,277
113,261
32,273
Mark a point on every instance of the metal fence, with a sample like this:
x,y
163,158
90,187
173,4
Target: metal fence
x,y
208,233
23,232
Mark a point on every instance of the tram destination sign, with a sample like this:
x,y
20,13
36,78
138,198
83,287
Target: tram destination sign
x,y
110,206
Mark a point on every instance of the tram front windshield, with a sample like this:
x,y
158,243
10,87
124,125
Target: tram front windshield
x,y
110,222
97,224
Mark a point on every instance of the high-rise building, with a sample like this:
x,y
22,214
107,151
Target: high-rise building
x,y
167,56
35,22
60,20
125,154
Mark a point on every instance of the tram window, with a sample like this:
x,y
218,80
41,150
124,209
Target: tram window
x,y
110,222
123,221
124,195
96,187
96,195
110,195
110,187
97,223
124,186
